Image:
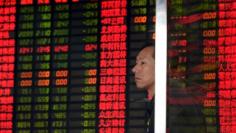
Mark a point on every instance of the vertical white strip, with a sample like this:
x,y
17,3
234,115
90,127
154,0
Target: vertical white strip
x,y
160,68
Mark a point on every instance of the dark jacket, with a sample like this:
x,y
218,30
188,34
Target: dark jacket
x,y
150,115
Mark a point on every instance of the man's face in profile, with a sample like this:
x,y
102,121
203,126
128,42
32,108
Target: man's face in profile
x,y
144,70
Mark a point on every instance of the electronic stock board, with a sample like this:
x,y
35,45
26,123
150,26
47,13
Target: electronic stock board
x,y
65,65
201,66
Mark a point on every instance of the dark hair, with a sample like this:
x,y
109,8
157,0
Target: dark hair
x,y
149,45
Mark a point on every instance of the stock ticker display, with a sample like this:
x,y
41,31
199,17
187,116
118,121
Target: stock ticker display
x,y
201,66
65,65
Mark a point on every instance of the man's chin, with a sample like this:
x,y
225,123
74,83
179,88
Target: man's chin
x,y
140,87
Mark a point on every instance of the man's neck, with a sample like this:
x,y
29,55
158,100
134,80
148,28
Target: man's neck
x,y
150,93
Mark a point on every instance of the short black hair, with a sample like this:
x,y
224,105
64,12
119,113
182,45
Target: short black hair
x,y
149,45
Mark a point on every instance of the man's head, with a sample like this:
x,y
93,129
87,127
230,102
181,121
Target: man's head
x,y
144,69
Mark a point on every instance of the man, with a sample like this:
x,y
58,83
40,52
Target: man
x,y
144,73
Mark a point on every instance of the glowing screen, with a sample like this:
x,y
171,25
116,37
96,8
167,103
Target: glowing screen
x,y
65,65
201,66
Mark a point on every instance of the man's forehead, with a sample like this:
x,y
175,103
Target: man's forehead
x,y
145,53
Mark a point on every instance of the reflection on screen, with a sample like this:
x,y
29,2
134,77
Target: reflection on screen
x,y
201,70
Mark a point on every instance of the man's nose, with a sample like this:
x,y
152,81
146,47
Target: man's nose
x,y
134,69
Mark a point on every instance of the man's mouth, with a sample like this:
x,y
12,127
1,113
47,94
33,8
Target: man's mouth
x,y
137,78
